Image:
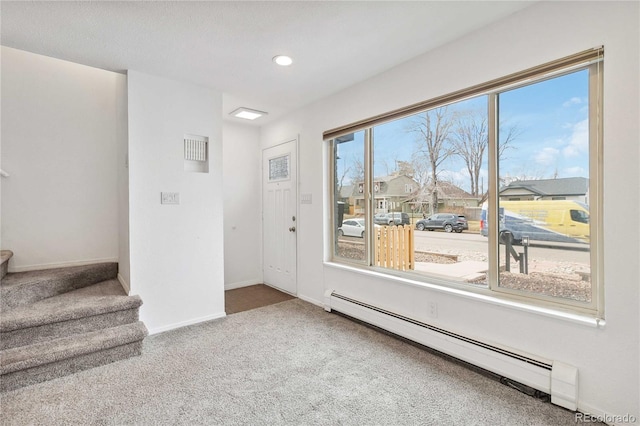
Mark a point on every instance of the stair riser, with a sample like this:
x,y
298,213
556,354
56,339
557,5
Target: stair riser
x,y
18,379
5,256
4,268
31,292
28,336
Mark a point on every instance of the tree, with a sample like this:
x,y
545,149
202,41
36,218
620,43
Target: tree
x,y
470,140
340,179
404,168
356,169
388,163
523,172
433,132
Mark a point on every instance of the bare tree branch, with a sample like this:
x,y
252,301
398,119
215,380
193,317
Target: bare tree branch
x,y
470,140
341,179
433,132
357,169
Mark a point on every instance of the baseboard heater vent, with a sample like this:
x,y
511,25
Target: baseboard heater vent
x,y
552,377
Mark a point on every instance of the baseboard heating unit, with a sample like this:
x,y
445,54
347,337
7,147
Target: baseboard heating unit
x,y
552,377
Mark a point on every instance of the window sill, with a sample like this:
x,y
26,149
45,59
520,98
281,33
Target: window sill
x,y
480,295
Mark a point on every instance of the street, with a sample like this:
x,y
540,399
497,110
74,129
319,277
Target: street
x,y
438,241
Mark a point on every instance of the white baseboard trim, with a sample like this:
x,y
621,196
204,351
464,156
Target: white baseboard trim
x,y
125,285
589,414
186,323
61,264
240,284
518,366
310,300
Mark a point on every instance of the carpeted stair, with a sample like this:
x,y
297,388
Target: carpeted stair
x,y
60,321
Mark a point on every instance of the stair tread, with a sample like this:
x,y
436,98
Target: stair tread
x,y
24,288
5,255
97,299
14,279
16,359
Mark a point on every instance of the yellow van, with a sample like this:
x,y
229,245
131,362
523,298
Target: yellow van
x,y
542,220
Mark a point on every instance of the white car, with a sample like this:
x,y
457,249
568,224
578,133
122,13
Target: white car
x,y
352,228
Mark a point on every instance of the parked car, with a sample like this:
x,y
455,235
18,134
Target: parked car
x,y
449,222
395,218
352,228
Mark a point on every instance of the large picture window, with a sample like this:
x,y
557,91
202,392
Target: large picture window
x,y
495,188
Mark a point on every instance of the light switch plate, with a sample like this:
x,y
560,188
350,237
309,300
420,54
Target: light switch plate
x,y
170,198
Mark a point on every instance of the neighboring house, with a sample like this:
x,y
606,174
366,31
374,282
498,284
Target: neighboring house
x,y
450,198
346,196
573,189
392,194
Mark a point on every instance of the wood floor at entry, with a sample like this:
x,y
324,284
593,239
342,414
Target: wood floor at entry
x,y
252,297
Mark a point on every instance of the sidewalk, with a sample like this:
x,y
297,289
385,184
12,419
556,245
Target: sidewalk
x,y
465,270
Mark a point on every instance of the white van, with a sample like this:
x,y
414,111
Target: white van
x,y
541,220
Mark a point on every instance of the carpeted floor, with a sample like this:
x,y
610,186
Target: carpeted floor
x,y
285,364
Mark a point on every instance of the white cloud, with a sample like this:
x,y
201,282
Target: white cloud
x,y
579,140
547,156
453,176
573,101
574,171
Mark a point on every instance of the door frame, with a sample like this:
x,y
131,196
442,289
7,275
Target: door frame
x,y
296,140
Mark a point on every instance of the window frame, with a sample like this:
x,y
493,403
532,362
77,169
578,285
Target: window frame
x,y
592,60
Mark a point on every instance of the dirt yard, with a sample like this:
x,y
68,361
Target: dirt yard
x,y
555,279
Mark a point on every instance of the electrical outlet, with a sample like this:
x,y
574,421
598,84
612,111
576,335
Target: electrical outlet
x,y
433,309
170,198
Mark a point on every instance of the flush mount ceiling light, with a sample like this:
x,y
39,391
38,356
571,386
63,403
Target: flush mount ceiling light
x,y
247,113
283,60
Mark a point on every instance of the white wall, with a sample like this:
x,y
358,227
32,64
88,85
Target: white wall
x,y
59,143
607,357
176,250
242,205
122,127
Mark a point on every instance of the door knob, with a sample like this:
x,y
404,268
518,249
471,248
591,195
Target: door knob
x,y
292,229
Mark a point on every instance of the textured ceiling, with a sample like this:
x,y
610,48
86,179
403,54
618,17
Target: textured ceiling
x,y
229,45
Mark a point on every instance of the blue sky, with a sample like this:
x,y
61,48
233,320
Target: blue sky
x,y
552,121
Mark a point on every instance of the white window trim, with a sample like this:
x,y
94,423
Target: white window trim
x,y
553,69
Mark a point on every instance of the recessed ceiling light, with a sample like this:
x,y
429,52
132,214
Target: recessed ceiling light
x,y
248,114
283,60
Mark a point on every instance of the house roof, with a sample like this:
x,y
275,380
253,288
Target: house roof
x,y
549,187
346,191
390,178
447,190
384,189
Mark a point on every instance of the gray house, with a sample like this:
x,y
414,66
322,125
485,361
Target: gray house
x,y
573,189
451,198
392,194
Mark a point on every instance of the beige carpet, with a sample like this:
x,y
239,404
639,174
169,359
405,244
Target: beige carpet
x,y
285,364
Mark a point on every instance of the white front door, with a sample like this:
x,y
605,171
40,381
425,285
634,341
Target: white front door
x,y
279,203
